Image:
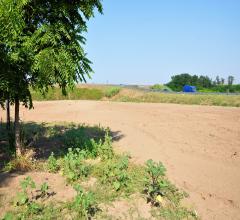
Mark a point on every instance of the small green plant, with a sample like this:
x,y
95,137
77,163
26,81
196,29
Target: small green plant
x,y
44,190
155,183
74,166
104,148
174,213
112,91
52,165
84,203
161,88
116,173
22,197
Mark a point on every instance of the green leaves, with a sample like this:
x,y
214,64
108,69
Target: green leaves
x,y
74,166
155,184
43,45
84,203
44,189
116,173
155,169
52,165
27,183
22,197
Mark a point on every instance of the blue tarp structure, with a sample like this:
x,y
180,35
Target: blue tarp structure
x,y
188,88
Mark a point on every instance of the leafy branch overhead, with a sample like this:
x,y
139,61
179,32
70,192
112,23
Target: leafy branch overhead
x,y
42,46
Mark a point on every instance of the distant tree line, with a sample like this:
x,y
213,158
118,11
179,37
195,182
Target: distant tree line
x,y
203,83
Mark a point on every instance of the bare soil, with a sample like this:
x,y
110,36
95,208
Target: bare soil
x,y
10,185
199,145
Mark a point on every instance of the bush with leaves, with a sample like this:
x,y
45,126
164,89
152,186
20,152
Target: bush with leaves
x,y
84,204
73,166
52,164
22,197
94,147
115,173
104,148
155,183
112,91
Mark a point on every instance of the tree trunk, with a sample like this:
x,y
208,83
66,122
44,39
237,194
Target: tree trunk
x,y
17,128
8,114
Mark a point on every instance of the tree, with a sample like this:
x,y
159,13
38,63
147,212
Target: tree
x,y
178,81
230,80
43,41
222,81
218,82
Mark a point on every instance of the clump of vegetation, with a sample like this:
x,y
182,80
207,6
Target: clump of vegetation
x,y
155,185
22,197
174,213
203,83
103,149
52,164
84,204
161,88
93,147
73,165
112,91
188,99
25,162
115,173
75,94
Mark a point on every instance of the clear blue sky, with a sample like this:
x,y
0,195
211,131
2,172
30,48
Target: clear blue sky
x,y
146,42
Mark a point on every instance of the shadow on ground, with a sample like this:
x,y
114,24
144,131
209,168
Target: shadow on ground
x,y
44,138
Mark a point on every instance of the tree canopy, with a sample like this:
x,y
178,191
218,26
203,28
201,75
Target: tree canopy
x,y
202,83
42,45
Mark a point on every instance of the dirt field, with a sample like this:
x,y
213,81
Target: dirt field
x,y
199,145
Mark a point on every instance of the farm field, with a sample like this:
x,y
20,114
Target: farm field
x,y
199,145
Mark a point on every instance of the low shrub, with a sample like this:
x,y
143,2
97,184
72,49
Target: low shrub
x,y
112,91
155,184
84,204
115,173
73,165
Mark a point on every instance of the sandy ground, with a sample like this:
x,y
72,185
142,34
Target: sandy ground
x,y
10,185
199,145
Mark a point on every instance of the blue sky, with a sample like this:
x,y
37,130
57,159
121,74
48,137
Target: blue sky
x,y
146,42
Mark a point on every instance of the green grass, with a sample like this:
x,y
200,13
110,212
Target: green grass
x,y
131,95
189,99
117,177
75,94
161,88
112,91
78,93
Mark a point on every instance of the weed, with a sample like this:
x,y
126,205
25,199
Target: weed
x,y
24,162
22,197
155,184
44,190
112,91
73,165
104,148
176,213
83,204
115,173
52,165
75,94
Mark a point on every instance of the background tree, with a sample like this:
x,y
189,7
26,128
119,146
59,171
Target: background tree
x,y
230,80
218,82
222,81
178,81
44,47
